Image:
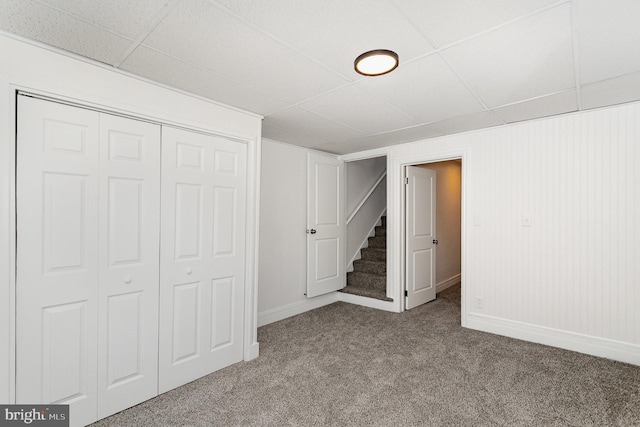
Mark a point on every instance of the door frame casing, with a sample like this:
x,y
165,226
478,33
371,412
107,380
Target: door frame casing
x,y
382,305
396,214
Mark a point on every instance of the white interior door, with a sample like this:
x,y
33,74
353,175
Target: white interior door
x,y
57,256
420,236
202,255
129,263
325,225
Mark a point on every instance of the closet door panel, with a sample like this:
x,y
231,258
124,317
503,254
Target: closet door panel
x,y
129,264
57,253
222,326
64,366
125,339
188,221
202,255
125,228
227,256
185,333
229,209
185,210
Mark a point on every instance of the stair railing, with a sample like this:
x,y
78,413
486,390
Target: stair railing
x,y
355,255
366,197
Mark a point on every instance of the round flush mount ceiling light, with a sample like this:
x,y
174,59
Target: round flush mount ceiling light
x,y
376,62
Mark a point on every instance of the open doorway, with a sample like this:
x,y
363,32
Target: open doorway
x,y
432,230
366,205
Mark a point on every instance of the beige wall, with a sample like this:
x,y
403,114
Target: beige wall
x,y
448,214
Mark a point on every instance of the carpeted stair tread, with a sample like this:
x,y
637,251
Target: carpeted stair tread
x,y
374,254
378,242
369,293
360,279
373,267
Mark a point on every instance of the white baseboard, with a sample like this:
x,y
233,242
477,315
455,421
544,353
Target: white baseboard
x,y
595,346
295,308
252,352
299,307
445,284
366,302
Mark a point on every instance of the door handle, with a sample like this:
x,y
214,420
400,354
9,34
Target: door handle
x,y
312,231
435,242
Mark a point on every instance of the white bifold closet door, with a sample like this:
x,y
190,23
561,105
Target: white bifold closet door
x,y
129,243
87,195
202,255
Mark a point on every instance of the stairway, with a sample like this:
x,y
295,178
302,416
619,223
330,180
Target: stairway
x,y
369,275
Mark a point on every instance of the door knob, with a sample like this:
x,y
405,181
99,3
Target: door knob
x,y
435,242
127,280
312,231
189,271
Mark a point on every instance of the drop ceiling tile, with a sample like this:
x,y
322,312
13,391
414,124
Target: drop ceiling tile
x,y
416,133
346,147
358,109
426,90
36,21
335,32
337,148
524,60
289,137
448,21
611,92
206,36
182,75
608,38
124,17
483,119
354,145
300,121
559,103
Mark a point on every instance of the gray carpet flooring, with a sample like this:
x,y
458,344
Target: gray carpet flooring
x,y
346,365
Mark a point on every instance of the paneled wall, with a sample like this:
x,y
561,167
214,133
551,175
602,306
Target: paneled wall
x,y
575,267
551,242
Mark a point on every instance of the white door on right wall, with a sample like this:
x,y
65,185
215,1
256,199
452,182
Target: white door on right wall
x,y
420,236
